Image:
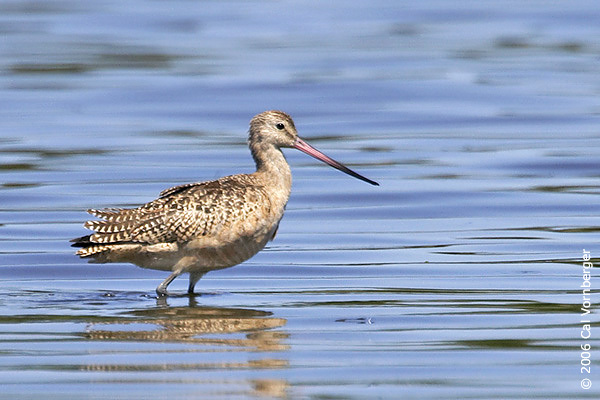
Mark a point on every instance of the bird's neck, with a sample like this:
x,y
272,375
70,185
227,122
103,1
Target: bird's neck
x,y
272,166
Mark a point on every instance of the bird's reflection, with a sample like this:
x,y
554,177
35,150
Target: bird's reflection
x,y
193,324
199,325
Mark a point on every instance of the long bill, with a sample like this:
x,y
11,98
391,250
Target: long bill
x,y
311,151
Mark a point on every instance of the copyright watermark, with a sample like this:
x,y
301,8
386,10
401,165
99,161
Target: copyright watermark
x,y
586,325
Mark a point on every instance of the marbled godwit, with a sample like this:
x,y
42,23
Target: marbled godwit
x,y
205,226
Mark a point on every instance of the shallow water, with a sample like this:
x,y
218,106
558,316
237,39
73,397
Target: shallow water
x,y
459,277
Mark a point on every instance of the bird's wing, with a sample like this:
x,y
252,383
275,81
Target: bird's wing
x,y
176,189
182,213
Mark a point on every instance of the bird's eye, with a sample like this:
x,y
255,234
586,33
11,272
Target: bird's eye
x,y
280,126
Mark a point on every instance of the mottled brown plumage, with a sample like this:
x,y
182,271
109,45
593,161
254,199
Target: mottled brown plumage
x,y
200,227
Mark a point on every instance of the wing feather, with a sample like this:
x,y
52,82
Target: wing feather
x,y
183,212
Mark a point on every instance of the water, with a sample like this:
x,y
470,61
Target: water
x,y
459,277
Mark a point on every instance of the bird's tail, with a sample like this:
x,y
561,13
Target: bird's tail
x,y
88,248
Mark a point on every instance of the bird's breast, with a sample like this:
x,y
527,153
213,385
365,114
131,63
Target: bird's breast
x,y
246,227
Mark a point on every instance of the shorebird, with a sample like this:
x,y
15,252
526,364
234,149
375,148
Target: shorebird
x,y
200,227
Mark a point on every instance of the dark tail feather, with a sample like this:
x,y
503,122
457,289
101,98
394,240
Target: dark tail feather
x,y
83,241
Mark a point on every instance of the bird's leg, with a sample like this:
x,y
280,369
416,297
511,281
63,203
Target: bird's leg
x,y
161,290
194,278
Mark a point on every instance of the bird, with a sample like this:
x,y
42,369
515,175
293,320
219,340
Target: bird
x,y
205,226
